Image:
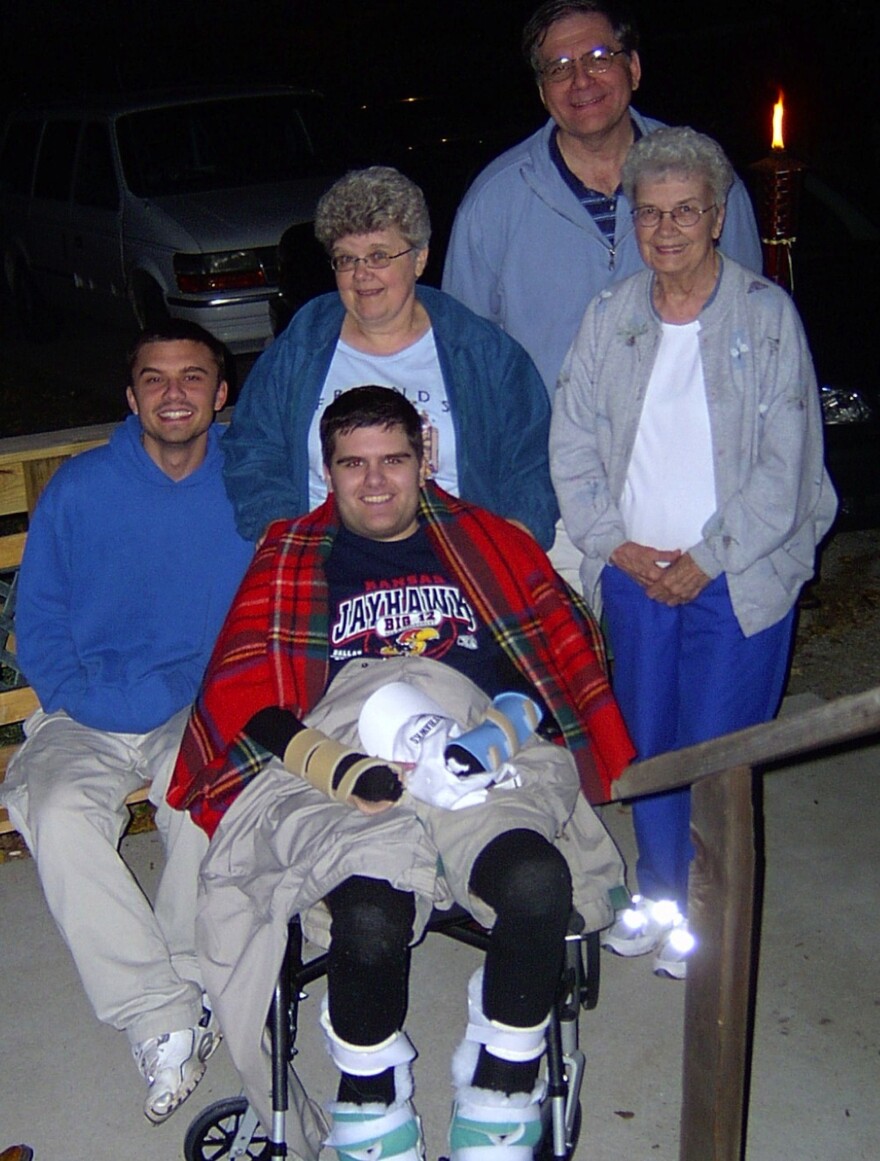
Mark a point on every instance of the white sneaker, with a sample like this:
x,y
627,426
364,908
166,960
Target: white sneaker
x,y
674,951
640,928
173,1065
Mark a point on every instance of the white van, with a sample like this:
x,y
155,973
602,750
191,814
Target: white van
x,y
169,205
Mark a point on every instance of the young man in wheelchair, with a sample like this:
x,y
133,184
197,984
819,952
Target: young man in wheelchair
x,y
398,622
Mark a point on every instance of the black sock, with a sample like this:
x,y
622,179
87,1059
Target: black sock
x,y
505,1076
364,1090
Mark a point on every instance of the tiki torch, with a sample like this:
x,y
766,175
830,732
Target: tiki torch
x,y
777,182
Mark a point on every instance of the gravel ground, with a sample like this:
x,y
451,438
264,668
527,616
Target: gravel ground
x,y
837,650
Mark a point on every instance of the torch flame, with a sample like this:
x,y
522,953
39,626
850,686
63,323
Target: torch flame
x,y
777,143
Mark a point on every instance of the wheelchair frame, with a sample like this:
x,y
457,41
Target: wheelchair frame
x,y
229,1128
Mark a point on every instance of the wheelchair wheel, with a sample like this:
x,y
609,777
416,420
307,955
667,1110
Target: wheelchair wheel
x,y
544,1151
212,1134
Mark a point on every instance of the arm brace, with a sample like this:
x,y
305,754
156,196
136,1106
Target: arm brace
x,y
332,768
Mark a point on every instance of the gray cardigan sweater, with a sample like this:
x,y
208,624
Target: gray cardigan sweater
x,y
775,500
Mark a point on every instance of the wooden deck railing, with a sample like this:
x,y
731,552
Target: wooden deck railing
x,y
723,903
27,462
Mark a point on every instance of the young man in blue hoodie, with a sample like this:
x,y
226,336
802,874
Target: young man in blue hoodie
x,y
131,563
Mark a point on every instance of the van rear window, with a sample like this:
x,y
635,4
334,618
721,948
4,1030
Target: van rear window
x,y
214,145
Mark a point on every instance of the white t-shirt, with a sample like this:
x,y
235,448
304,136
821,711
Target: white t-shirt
x,y
415,373
669,492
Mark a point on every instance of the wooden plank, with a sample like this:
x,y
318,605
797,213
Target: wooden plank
x,y
11,549
6,753
720,985
12,493
37,474
842,720
18,451
16,705
67,442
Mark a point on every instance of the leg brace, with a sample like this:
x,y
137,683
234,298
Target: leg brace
x,y
488,1125
374,1130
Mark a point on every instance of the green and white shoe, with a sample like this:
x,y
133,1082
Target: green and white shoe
x,y
375,1132
502,1129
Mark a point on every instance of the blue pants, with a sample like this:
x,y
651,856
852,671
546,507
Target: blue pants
x,y
683,675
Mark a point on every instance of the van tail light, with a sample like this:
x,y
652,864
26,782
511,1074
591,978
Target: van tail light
x,y
226,270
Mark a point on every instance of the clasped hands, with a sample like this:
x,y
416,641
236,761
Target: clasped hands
x,y
668,576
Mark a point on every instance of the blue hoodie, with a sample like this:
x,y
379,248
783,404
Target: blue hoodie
x,y
126,579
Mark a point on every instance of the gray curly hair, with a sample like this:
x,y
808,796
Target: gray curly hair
x,y
677,151
366,200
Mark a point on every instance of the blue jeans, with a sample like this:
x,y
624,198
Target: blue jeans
x,y
683,675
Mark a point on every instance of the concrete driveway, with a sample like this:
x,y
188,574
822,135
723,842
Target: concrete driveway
x,y
68,1085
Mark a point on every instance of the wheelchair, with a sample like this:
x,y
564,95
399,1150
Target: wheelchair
x,y
229,1128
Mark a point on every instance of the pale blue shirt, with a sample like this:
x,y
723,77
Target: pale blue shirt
x,y
415,373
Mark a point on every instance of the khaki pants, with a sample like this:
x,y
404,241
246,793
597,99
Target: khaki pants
x,y
65,792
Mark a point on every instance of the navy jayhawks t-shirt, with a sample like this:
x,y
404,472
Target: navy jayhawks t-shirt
x,y
392,599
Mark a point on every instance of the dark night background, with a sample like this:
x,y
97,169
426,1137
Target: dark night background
x,y
715,64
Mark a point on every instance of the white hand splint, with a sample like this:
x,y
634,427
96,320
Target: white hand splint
x,y
401,724
431,781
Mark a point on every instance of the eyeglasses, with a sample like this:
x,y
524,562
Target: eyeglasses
x,y
596,61
647,217
378,260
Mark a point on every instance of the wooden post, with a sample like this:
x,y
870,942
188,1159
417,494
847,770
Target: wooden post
x,y
718,999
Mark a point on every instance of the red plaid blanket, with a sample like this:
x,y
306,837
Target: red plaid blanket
x,y
273,648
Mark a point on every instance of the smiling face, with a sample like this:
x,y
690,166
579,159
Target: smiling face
x,y
377,299
375,476
585,107
679,251
176,388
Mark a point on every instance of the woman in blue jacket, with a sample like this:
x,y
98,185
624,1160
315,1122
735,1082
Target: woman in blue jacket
x,y
485,410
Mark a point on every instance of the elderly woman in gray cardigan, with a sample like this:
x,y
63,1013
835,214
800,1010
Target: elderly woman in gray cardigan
x,y
686,453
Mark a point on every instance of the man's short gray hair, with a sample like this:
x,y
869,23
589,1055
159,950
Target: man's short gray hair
x,y
677,151
616,12
366,200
